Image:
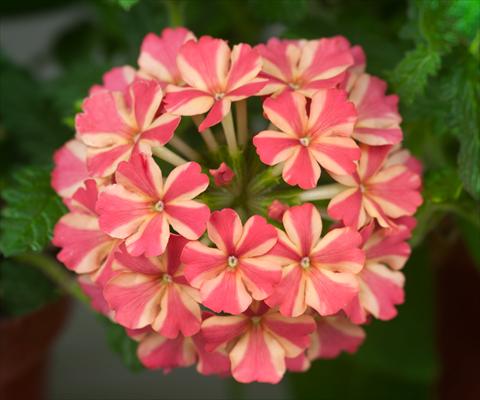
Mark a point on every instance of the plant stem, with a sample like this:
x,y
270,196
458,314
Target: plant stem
x,y
242,122
265,179
321,192
207,134
168,155
174,12
184,148
55,272
229,130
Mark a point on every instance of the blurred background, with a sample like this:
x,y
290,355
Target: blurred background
x,y
52,51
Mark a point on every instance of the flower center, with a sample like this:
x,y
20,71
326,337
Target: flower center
x,y
294,85
167,278
304,141
219,96
232,261
159,206
305,262
255,320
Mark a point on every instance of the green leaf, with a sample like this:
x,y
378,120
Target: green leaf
x,y
127,4
122,344
23,289
31,211
462,92
410,76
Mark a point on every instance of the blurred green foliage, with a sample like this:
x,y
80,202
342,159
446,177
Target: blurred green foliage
x,y
428,51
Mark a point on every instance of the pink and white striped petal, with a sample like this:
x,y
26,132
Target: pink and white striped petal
x,y
216,114
328,292
381,289
303,226
189,218
204,64
274,147
117,79
246,63
378,118
70,168
158,54
258,238
334,335
301,169
145,97
184,183
287,112
225,230
339,251
158,352
187,101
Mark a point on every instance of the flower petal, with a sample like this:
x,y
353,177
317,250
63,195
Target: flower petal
x,y
225,230
334,335
328,292
202,263
258,237
274,147
301,169
184,183
204,64
189,218
158,54
287,112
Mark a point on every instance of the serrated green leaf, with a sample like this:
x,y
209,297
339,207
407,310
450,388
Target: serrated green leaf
x,y
31,211
410,76
23,289
122,344
462,93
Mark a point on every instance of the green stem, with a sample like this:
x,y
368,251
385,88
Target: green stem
x,y
175,12
55,272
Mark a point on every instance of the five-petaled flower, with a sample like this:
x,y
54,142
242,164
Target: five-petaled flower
x,y
153,291
258,341
317,272
376,190
238,270
304,66
114,124
380,281
307,140
140,207
215,77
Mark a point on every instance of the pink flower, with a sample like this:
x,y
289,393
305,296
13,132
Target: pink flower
x,y
154,292
304,141
94,291
85,247
117,79
70,169
381,284
376,190
356,70
237,270
304,65
140,207
334,335
112,125
378,120
223,175
317,272
156,351
158,55
276,210
258,341
215,78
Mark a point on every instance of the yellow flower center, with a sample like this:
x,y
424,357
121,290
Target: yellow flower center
x,y
232,261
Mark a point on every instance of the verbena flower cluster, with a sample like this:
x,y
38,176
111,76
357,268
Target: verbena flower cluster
x,y
246,246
